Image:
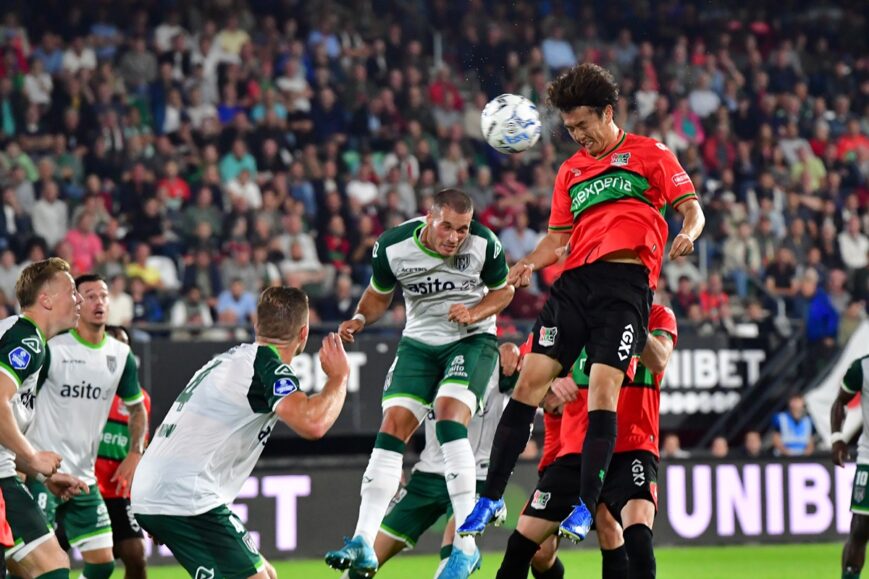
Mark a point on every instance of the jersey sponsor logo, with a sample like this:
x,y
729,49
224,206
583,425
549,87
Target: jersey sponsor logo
x,y
19,358
547,336
116,439
681,178
457,367
112,363
283,370
33,343
540,500
620,159
204,573
627,342
284,386
638,472
411,270
612,185
431,286
72,361
84,390
462,261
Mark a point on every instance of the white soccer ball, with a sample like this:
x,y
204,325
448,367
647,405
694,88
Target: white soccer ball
x,y
511,123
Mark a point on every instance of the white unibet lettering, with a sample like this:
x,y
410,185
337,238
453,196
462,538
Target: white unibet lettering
x,y
312,378
249,490
727,375
689,525
286,490
705,369
738,498
844,477
775,508
809,496
753,359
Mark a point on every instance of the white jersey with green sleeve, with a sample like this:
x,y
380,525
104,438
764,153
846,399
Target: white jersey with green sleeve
x,y
432,283
856,381
80,383
23,352
214,433
481,433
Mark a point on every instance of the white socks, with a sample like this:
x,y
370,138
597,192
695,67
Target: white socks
x,y
379,484
461,475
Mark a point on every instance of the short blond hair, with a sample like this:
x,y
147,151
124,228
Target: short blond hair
x,y
34,277
281,312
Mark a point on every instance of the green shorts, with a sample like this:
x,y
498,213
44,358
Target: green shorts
x,y
417,507
420,373
213,544
859,496
29,526
85,517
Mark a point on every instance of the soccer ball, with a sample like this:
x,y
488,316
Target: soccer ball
x,y
511,123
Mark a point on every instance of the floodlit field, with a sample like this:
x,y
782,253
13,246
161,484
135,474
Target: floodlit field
x,y
767,562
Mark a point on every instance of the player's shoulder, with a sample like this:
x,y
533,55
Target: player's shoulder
x,y
267,358
16,328
575,163
479,230
647,145
662,313
116,346
859,364
401,232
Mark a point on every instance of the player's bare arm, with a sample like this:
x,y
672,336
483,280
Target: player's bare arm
x,y
65,486
692,227
27,459
138,425
546,253
372,306
837,419
657,352
312,416
491,304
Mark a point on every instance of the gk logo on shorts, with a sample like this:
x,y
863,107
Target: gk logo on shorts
x,y
627,341
638,472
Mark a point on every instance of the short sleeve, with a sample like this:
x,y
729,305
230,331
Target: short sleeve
x,y
128,388
671,179
494,272
560,216
853,380
662,322
21,358
382,278
274,379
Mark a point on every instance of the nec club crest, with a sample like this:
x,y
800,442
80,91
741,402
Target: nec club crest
x,y
620,159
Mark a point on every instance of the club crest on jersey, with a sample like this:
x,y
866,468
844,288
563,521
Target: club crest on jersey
x,y
547,336
112,363
19,358
620,159
284,386
540,500
462,261
32,343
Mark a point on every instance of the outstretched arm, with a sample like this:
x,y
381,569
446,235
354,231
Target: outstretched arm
x,y
371,308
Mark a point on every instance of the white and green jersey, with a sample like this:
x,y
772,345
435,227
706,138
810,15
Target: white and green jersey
x,y
481,433
22,354
432,283
80,383
214,433
856,381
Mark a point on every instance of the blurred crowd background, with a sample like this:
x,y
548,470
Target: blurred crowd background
x,y
194,153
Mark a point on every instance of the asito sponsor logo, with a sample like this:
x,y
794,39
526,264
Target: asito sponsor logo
x,y
84,390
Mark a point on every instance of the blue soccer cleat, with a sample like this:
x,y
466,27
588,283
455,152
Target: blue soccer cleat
x,y
485,511
356,555
460,565
577,524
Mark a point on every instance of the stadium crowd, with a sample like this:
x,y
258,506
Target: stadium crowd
x,y
194,155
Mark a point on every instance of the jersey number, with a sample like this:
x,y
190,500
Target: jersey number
x,y
185,395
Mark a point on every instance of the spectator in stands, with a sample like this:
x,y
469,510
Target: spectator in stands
x,y
340,306
793,433
86,245
190,315
121,312
753,446
146,306
518,240
50,215
853,245
719,447
685,297
672,447
9,271
850,320
235,305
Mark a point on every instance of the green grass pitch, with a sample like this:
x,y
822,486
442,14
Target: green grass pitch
x,y
757,562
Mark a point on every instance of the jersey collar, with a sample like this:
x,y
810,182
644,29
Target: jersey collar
x,y
74,333
614,147
417,237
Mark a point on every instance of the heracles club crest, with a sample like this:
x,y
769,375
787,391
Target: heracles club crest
x,y
462,261
112,363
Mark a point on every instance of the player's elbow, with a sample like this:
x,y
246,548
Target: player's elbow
x,y
313,430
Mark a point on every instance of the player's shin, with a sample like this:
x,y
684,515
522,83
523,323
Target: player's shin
x,y
512,435
379,484
641,552
517,557
615,563
556,571
597,451
460,472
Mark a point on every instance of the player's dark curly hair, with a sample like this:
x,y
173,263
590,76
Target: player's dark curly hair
x,y
583,85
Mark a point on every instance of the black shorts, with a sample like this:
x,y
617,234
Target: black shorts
x,y
124,525
557,490
602,307
631,475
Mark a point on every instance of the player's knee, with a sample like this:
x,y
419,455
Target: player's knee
x,y
132,553
609,536
399,423
545,556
